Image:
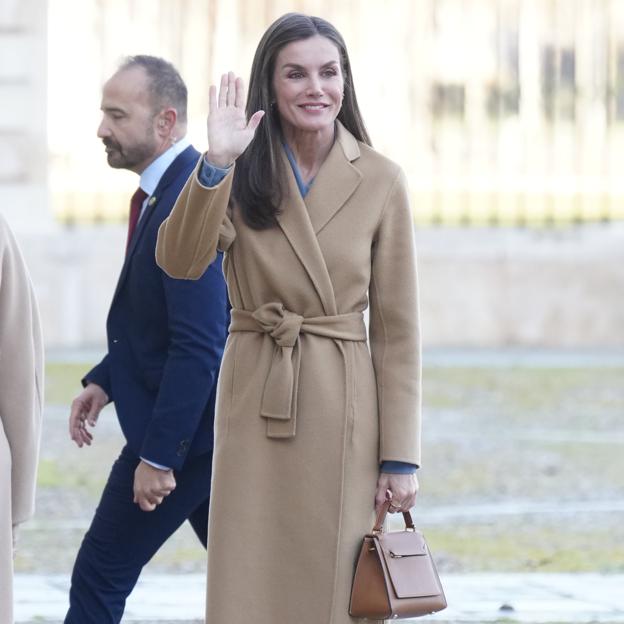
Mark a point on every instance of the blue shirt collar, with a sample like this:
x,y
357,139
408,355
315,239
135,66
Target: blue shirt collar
x,y
152,174
303,187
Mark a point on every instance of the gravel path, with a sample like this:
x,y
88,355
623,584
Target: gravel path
x,y
523,469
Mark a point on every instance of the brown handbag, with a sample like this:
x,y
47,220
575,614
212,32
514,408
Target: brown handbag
x,y
395,576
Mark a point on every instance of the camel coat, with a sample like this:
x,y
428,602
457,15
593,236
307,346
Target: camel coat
x,y
21,379
307,407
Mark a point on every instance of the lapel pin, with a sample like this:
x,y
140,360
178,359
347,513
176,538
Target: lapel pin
x,y
152,200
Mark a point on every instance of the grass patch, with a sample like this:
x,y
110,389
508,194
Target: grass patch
x,y
525,547
580,397
53,474
62,381
485,439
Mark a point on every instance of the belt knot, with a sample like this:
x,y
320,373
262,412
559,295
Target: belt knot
x,y
279,397
281,324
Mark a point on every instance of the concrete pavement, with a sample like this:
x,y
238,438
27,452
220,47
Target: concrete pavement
x,y
531,598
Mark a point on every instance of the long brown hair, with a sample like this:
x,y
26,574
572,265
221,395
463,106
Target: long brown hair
x,y
260,178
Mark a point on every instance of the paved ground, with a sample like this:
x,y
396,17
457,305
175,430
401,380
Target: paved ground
x,y
531,598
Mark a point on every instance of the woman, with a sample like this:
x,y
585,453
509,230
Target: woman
x,y
21,368
313,223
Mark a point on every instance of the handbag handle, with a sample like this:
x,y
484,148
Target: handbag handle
x,y
381,516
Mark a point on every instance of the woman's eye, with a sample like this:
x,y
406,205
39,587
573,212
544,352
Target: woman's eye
x,y
295,75
329,73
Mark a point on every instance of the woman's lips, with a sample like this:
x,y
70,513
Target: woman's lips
x,y
313,107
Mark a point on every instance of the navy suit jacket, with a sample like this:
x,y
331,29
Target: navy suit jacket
x,y
165,341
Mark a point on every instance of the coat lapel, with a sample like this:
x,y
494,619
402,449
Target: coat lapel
x,y
335,182
301,221
295,223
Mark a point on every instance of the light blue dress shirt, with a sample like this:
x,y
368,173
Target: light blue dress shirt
x,y
155,170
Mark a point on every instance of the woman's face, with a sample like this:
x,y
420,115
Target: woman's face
x,y
308,84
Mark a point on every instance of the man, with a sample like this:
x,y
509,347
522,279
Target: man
x,y
165,341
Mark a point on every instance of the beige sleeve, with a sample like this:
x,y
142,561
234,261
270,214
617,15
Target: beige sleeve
x,y
395,330
198,225
21,374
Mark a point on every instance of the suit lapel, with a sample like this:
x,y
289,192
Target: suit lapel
x,y
142,224
301,221
189,155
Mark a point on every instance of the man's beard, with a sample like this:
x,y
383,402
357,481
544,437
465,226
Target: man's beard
x,y
128,157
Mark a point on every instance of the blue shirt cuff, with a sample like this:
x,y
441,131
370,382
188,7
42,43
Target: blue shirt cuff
x,y
209,175
397,467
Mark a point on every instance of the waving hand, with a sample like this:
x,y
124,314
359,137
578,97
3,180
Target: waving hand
x,y
229,132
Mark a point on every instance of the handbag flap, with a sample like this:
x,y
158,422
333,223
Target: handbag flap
x,y
409,564
404,543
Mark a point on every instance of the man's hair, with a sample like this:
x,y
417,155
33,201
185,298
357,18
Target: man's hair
x,y
165,83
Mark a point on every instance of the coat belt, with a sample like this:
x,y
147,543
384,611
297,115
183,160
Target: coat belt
x,y
279,398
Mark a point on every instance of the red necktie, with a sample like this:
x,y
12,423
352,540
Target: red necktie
x,y
135,211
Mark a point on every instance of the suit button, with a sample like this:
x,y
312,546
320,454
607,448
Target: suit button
x,y
115,341
183,447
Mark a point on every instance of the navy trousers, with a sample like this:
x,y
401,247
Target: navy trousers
x,y
123,538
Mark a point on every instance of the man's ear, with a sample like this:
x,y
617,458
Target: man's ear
x,y
166,121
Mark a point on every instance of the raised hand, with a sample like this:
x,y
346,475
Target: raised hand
x,y
229,132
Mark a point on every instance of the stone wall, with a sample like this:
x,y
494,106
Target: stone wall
x,y
503,287
478,288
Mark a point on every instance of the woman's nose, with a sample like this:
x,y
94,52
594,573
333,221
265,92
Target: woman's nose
x,y
314,87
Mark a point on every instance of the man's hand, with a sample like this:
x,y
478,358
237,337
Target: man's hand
x,y
85,409
151,485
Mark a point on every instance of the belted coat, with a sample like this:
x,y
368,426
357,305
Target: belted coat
x,y
21,399
308,402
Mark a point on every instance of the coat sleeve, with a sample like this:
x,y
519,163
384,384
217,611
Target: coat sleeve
x,y
395,330
100,374
197,226
21,374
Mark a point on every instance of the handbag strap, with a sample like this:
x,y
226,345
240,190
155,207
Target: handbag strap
x,y
383,511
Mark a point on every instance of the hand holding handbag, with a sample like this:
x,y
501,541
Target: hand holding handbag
x,y
395,576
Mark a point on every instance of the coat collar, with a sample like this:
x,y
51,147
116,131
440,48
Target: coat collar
x,y
301,220
336,180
